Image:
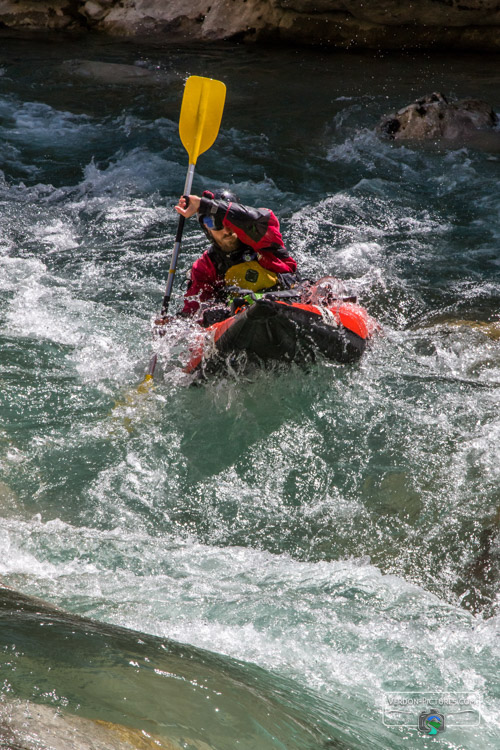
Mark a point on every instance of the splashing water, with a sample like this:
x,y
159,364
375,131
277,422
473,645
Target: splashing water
x,y
329,534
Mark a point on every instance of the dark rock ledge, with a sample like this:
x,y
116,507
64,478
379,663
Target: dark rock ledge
x,y
344,24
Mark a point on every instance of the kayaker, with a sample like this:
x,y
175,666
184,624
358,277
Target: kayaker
x,y
247,250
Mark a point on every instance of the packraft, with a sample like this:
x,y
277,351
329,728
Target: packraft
x,y
291,325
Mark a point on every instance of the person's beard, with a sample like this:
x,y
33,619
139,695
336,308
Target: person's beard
x,y
228,244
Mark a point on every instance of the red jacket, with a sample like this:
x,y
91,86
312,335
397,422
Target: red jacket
x,y
260,237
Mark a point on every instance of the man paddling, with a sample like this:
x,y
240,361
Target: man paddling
x,y
247,250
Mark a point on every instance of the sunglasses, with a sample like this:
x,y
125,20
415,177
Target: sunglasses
x,y
209,223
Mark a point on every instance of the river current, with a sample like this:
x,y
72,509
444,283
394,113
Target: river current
x,y
321,541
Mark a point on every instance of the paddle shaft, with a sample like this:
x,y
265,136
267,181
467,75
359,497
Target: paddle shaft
x,y
173,266
177,246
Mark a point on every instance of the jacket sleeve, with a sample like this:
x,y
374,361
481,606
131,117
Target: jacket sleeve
x,y
202,285
257,227
272,262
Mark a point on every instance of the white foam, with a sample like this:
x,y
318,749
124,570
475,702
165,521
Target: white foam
x,y
56,235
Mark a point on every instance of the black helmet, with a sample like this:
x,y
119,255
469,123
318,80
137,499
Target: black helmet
x,y
216,195
221,195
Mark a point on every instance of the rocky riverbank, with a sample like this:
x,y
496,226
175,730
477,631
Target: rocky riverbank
x,y
346,24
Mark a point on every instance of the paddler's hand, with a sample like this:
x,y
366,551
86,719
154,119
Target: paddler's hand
x,y
160,326
188,208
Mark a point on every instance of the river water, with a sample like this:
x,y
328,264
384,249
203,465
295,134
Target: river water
x,y
317,538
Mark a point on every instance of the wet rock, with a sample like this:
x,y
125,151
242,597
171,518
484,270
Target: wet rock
x,y
31,15
25,725
392,25
434,117
79,683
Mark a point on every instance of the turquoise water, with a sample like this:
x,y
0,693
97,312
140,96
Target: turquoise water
x,y
319,537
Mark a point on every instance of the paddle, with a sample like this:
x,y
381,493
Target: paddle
x,y
199,122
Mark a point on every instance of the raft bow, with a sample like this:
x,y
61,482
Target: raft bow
x,y
276,327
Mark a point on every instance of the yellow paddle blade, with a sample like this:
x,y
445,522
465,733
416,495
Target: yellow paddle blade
x,y
131,400
201,114
146,384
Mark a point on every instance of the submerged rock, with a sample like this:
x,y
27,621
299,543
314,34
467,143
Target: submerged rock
x,y
8,500
434,117
483,573
490,329
115,73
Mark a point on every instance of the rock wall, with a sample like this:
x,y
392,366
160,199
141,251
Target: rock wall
x,y
346,24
